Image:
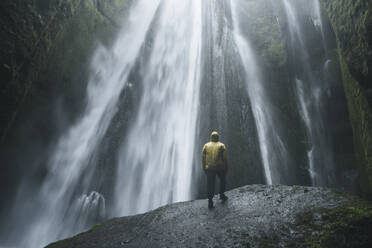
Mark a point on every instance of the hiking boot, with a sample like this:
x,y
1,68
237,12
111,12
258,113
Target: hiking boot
x,y
210,204
223,197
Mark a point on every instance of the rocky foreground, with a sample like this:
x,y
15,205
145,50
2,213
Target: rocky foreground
x,y
254,216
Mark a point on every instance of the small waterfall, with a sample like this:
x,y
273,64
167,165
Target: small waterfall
x,y
68,170
312,92
87,210
273,150
318,20
156,160
327,75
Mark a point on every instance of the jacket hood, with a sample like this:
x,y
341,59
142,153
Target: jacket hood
x,y
215,137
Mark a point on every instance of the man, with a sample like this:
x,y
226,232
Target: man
x,y
215,164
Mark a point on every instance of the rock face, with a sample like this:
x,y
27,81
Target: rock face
x,y
226,107
254,216
352,23
42,38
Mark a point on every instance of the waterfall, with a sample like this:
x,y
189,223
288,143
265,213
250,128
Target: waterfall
x,y
273,150
174,48
69,173
156,160
312,91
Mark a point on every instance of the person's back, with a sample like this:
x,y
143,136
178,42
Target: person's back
x,y
215,164
214,152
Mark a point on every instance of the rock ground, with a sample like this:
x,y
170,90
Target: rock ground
x,y
254,216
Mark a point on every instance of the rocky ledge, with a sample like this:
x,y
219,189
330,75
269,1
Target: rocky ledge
x,y
254,216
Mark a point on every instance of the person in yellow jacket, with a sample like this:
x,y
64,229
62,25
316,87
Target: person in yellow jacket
x,y
214,160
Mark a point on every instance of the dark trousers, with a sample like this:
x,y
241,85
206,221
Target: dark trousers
x,y
211,180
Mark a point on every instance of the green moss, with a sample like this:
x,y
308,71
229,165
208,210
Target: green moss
x,y
361,119
66,241
266,35
338,227
48,51
344,221
95,227
352,23
58,243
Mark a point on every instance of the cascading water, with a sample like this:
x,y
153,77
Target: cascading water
x,y
311,92
174,48
216,42
318,20
274,153
69,173
87,210
156,160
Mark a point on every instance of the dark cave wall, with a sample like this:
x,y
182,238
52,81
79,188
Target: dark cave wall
x,y
352,23
28,30
45,50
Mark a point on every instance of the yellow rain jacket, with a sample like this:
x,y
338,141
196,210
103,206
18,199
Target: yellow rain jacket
x,y
214,154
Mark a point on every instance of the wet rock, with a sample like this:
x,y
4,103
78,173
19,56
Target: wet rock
x,y
44,47
254,216
352,23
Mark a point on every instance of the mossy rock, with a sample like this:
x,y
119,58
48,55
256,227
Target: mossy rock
x,y
352,23
346,226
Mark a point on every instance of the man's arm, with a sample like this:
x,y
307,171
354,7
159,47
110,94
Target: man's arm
x,y
204,154
224,156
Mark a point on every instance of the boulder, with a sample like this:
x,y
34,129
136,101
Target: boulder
x,y
254,216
